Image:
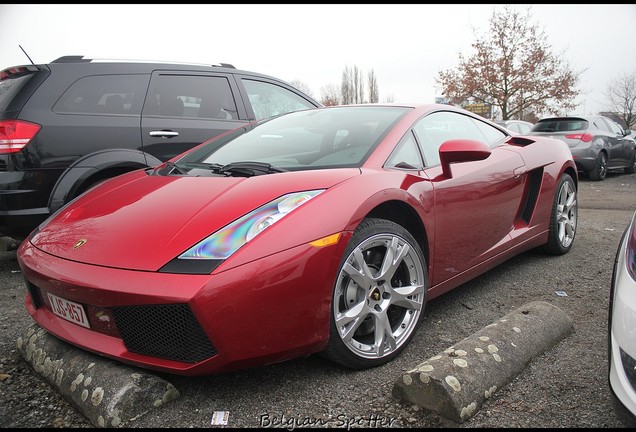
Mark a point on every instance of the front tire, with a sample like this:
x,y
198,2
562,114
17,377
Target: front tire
x,y
564,217
379,296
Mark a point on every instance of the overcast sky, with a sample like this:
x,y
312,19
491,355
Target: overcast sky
x,y
405,45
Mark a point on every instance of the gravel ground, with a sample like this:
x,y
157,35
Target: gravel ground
x,y
564,387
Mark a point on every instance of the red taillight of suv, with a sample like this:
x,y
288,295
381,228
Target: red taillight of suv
x,y
585,137
16,134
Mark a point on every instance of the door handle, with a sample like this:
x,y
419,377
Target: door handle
x,y
163,134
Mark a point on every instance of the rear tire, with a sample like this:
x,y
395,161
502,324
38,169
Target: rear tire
x,y
379,296
599,172
564,217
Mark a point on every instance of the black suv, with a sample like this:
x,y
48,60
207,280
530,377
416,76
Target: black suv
x,y
69,124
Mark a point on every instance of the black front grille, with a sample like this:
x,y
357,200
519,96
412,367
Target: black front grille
x,y
165,331
36,297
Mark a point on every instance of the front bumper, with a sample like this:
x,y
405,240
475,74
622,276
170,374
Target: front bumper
x,y
269,310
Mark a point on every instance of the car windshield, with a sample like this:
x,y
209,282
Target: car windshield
x,y
310,139
560,125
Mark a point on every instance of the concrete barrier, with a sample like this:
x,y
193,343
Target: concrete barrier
x,y
106,392
456,382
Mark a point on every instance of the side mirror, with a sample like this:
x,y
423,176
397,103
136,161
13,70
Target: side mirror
x,y
461,150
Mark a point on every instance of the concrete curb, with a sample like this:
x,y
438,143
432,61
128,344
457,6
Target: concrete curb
x,y
456,382
107,393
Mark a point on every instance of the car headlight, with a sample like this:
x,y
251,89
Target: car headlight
x,y
206,255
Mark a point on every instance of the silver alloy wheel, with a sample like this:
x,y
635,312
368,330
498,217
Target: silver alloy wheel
x,y
379,296
566,214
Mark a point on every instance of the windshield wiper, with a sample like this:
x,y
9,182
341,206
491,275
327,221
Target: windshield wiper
x,y
209,166
239,169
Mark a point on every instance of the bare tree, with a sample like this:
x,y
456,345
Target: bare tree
x,y
621,94
302,87
374,93
389,99
346,86
513,69
330,95
352,86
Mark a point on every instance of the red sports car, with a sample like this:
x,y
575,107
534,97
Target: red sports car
x,y
325,230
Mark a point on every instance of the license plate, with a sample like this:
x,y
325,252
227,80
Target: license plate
x,y
70,311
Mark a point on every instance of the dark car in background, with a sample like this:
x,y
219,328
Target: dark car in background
x,y
72,123
519,126
597,143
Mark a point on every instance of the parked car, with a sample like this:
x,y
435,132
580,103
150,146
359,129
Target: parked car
x,y
324,230
622,321
598,144
519,126
69,124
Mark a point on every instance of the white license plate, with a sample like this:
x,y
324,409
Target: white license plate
x,y
70,311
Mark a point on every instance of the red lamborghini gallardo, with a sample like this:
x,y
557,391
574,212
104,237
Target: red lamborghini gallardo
x,y
319,231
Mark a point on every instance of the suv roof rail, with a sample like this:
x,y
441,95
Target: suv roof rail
x,y
71,59
81,59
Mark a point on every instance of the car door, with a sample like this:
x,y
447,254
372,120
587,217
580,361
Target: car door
x,y
184,109
476,208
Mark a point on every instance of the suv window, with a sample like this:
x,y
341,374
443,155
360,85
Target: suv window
x,y
191,96
11,82
104,94
269,100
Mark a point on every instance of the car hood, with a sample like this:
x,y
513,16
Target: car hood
x,y
140,222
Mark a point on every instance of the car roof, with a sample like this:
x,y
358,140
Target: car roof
x,y
141,66
570,117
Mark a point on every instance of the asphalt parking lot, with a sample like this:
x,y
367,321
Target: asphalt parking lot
x,y
564,387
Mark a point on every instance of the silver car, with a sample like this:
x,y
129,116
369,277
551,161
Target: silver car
x,y
597,143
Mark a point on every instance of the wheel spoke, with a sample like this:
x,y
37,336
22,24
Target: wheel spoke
x,y
400,296
393,258
362,274
383,335
349,321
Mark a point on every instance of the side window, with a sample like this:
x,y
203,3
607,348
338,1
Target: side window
x,y
615,127
491,136
269,99
406,154
104,94
191,96
600,124
436,128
